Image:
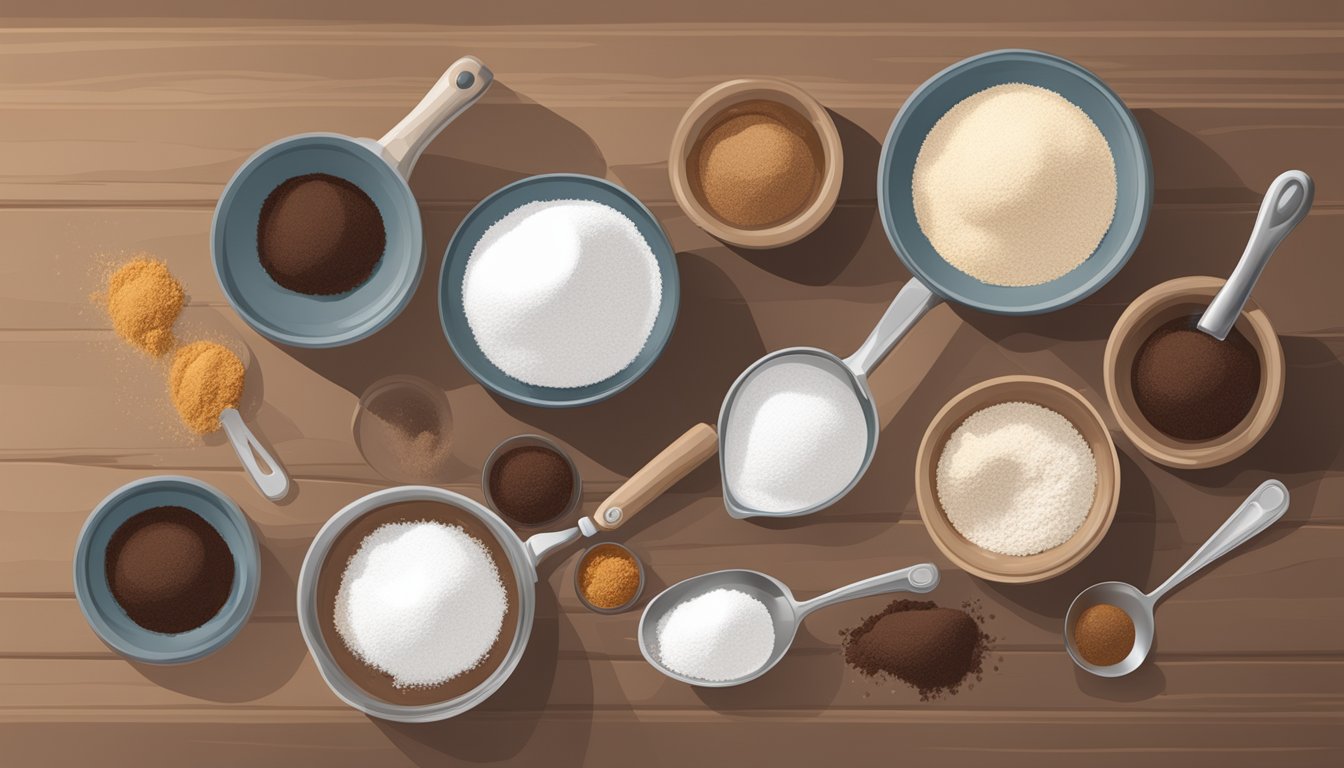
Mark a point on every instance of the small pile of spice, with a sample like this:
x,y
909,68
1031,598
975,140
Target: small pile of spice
x,y
609,577
723,634
1016,479
531,484
169,569
1104,635
933,649
1192,386
403,428
320,235
205,379
422,602
144,299
758,165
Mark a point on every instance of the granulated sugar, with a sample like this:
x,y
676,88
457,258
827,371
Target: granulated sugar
x,y
796,437
1015,186
421,602
1016,478
562,293
721,635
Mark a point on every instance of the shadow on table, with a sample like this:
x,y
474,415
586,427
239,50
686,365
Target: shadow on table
x,y
799,683
714,340
260,660
504,138
838,246
1124,554
521,717
1140,685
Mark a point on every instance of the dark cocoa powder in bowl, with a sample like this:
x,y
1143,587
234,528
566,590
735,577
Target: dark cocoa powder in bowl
x,y
933,649
320,234
169,569
1192,386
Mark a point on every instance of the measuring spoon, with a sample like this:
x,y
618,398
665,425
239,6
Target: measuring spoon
x,y
1286,203
786,611
1261,509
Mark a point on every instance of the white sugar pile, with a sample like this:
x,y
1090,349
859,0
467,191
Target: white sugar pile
x,y
721,635
1016,478
796,437
422,602
562,293
1015,186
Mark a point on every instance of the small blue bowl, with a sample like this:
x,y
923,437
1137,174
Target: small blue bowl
x,y
556,186
298,319
106,616
932,100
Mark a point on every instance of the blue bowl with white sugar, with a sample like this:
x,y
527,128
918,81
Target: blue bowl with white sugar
x,y
492,373
939,94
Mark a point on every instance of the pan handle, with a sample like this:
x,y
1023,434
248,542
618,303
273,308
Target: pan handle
x,y
674,463
913,301
457,89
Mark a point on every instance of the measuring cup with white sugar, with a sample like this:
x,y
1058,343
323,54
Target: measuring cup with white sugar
x,y
786,612
1264,507
796,432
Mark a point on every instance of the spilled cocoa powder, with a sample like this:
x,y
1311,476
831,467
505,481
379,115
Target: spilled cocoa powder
x,y
935,650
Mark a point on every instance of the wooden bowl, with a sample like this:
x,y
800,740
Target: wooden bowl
x,y
704,113
1189,296
1012,569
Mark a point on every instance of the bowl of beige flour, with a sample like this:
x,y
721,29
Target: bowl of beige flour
x,y
1015,182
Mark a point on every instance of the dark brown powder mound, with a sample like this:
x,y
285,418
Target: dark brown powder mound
x,y
531,484
933,649
1192,386
169,569
320,235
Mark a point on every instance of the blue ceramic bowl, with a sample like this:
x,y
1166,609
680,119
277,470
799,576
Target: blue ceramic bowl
x,y
106,616
298,319
557,186
932,100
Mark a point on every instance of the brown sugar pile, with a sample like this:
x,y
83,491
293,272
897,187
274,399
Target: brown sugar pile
x,y
1104,635
609,577
933,649
144,299
205,379
758,166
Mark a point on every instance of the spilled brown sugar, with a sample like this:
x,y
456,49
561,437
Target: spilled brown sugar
x,y
936,650
144,299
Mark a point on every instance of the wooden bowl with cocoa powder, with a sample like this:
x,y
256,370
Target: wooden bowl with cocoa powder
x,y
756,163
1189,297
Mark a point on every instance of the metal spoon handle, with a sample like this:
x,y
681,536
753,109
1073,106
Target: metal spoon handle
x,y
261,466
1259,511
1286,203
911,303
917,578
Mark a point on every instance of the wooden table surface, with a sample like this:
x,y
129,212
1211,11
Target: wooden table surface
x,y
118,133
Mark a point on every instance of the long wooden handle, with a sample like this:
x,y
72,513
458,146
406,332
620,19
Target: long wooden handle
x,y
675,462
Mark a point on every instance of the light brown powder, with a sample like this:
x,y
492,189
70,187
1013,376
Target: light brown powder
x,y
205,379
144,299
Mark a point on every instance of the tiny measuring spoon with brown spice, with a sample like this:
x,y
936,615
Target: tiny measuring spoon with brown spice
x,y
206,384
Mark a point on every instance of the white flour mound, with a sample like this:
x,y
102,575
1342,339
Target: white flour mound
x,y
422,602
562,293
1016,478
1015,186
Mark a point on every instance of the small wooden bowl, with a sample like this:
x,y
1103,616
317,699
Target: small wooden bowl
x,y
1190,296
1011,569
704,112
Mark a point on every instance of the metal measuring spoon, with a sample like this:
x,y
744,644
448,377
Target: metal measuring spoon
x,y
786,611
1260,510
1286,203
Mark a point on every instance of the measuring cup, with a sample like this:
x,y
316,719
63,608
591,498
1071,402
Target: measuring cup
x,y
786,611
379,168
1285,205
1261,509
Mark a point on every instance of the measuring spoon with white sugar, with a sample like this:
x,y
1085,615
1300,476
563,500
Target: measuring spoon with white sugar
x,y
786,611
1261,509
1286,203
